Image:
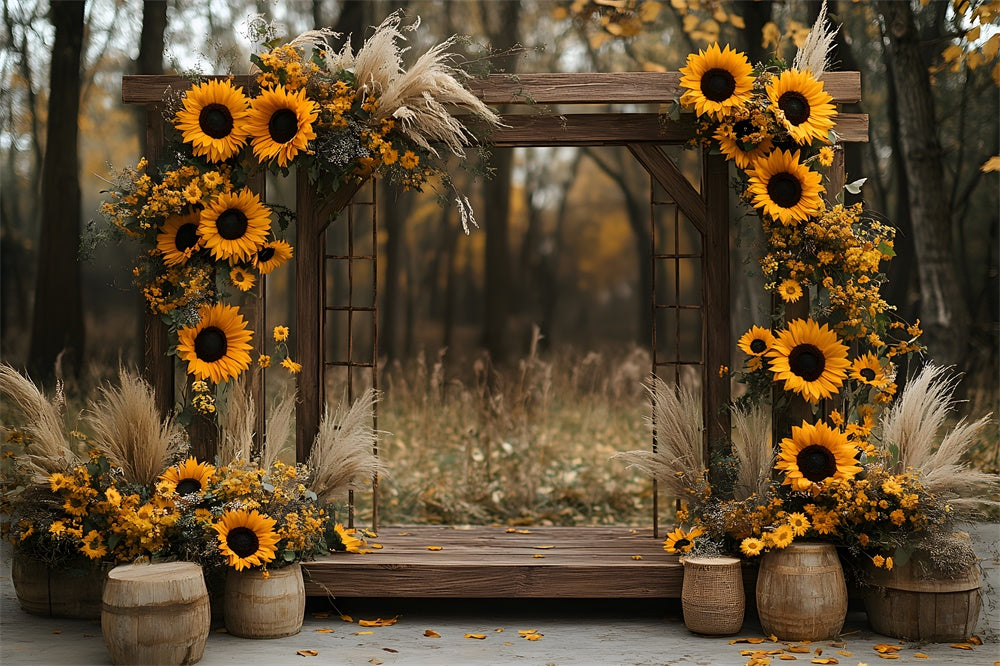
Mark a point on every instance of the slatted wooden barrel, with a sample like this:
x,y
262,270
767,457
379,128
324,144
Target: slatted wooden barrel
x,y
44,590
265,607
802,593
156,613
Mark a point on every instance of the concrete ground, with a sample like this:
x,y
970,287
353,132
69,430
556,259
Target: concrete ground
x,y
573,632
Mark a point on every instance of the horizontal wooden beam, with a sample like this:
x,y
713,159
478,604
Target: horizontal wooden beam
x,y
543,88
611,129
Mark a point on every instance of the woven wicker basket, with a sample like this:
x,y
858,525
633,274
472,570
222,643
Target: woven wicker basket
x,y
712,595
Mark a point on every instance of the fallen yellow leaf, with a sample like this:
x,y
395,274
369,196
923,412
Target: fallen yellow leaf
x,y
788,657
347,618
57,631
533,637
637,557
774,639
799,649
975,640
544,547
538,555
476,636
433,547
369,533
405,534
961,646
324,631
364,551
920,655
375,661
391,650
377,623
759,661
498,630
844,653
376,546
430,633
889,655
510,530
752,641
818,652
883,648
825,660
523,531
524,632
363,633
306,653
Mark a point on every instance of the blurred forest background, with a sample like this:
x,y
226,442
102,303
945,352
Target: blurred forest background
x,y
565,240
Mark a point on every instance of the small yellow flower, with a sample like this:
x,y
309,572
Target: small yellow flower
x,y
826,156
878,561
292,366
264,361
790,291
280,333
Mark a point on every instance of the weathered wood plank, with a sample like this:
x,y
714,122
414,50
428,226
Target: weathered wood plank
x,y
541,88
670,178
308,309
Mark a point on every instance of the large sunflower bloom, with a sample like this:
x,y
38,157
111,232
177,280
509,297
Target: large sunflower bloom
x,y
868,370
756,342
281,124
348,542
716,80
807,107
680,541
235,225
178,238
188,477
246,538
217,347
810,359
815,454
784,188
272,255
213,120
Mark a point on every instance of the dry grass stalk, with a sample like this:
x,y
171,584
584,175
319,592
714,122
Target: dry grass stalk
x,y
343,451
128,429
236,423
47,449
815,51
679,463
753,450
279,427
912,426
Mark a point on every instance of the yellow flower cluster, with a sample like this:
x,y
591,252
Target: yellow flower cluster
x,y
284,65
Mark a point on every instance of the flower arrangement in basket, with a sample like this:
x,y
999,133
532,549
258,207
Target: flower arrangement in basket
x,y
207,238
859,466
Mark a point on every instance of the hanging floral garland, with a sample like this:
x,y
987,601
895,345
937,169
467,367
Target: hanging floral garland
x,y
343,117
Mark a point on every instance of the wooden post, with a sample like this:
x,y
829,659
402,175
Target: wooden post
x,y
308,310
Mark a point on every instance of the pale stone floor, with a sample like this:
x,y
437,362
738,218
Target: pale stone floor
x,y
574,632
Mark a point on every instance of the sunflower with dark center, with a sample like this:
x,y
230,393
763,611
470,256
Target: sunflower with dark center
x,y
213,120
188,477
809,359
807,107
281,124
217,347
867,369
735,145
680,541
784,188
716,80
816,454
756,341
246,538
272,255
235,226
178,239
344,539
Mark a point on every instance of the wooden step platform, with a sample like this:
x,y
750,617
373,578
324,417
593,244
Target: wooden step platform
x,y
489,561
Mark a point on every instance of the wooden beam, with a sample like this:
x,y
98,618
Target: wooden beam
x,y
615,129
309,252
541,88
670,178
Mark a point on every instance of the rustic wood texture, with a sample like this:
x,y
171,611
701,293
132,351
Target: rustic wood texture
x,y
542,88
670,178
308,311
488,561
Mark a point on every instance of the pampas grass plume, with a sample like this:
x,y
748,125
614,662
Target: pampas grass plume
x,y
47,449
343,452
753,450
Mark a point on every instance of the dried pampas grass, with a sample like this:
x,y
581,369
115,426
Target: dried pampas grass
x,y
912,425
128,429
47,449
679,462
279,427
237,423
753,450
814,54
343,452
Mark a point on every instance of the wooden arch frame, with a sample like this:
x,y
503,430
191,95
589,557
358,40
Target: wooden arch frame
x,y
640,132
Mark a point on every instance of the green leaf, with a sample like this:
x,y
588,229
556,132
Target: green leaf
x,y
289,555
886,249
268,487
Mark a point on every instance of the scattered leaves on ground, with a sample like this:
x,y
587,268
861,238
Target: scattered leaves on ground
x,y
538,555
376,546
975,640
885,648
637,557
476,636
324,631
391,650
962,646
752,641
306,653
433,547
430,633
375,661
377,622
544,547
346,618
363,633
799,649
921,655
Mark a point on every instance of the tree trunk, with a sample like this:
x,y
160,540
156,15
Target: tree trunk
x,y
943,310
57,325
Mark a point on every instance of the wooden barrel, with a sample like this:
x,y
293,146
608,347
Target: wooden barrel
x,y
903,604
712,595
156,613
44,590
271,607
801,592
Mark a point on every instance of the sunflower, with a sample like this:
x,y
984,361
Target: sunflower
x,y
242,279
781,537
806,106
188,477
271,256
93,545
715,81
281,124
213,120
234,226
868,370
76,505
735,144
756,342
810,359
178,238
680,541
246,538
784,188
217,347
291,366
280,333
799,523
344,539
790,291
751,546
814,454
